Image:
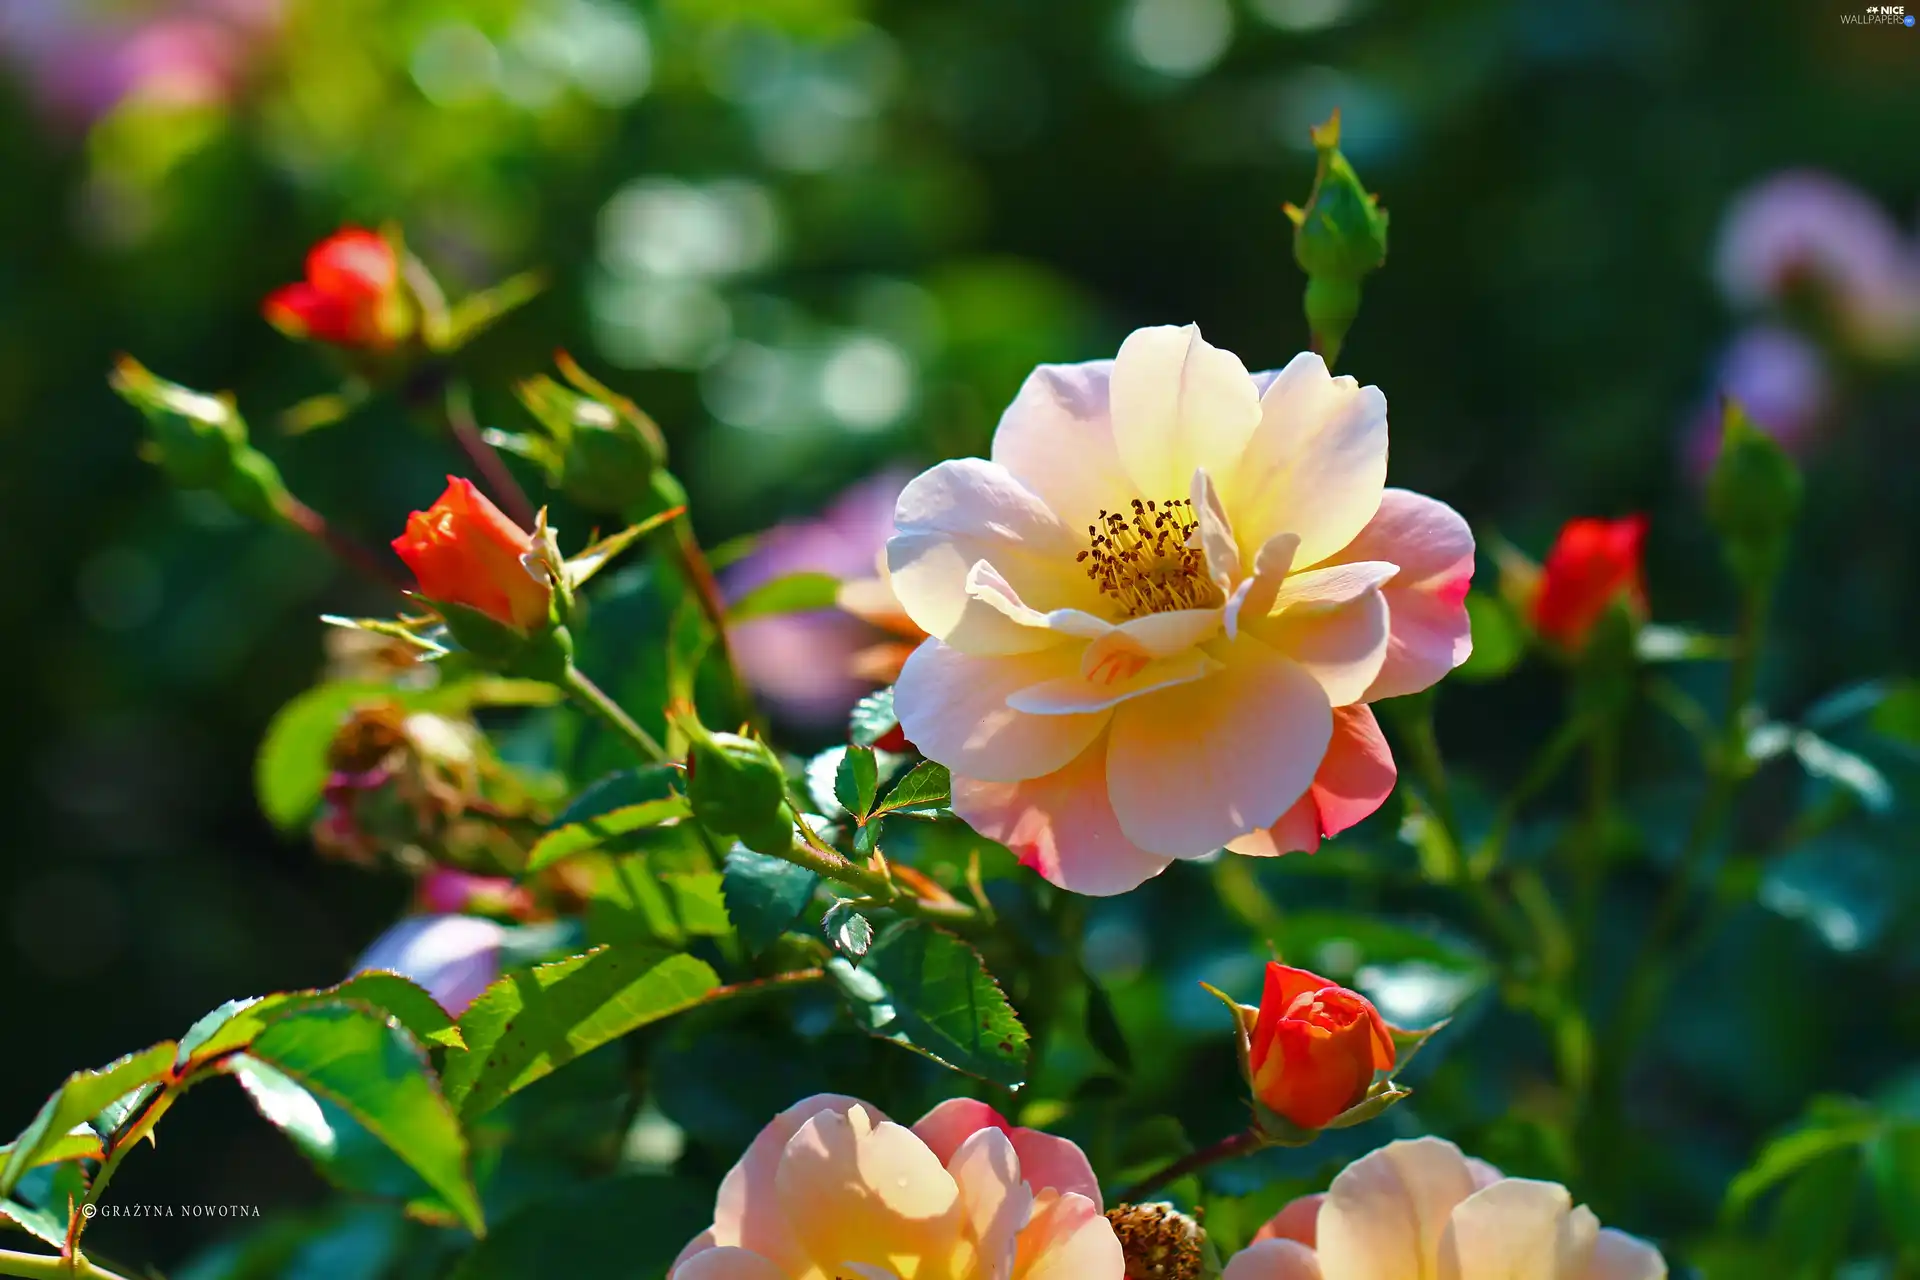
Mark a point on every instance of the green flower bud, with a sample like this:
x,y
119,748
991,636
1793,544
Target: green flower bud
x,y
602,448
737,788
200,441
1338,238
1753,498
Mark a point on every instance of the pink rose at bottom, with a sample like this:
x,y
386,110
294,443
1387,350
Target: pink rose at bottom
x,y
454,957
1420,1208
832,1188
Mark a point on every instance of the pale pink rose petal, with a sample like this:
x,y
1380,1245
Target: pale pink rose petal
x,y
1215,532
1178,403
953,706
1045,1161
1057,439
1343,646
1164,634
699,1244
1331,586
1427,599
854,1190
1517,1229
1253,599
1273,1260
727,1263
1484,1174
747,1212
1298,1221
990,587
1062,825
1619,1256
1316,464
1386,1212
1354,779
962,512
996,1197
1068,1238
1176,797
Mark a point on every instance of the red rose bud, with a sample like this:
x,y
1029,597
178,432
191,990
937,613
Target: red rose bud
x,y
352,296
465,551
1315,1047
1594,565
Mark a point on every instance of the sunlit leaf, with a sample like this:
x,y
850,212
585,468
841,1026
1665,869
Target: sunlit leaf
x,y
926,989
765,895
81,1097
794,593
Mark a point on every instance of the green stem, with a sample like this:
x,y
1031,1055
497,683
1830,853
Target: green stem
x,y
1547,764
356,555
40,1266
595,699
877,888
1590,849
1228,1148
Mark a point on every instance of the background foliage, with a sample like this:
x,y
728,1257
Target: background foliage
x,y
815,236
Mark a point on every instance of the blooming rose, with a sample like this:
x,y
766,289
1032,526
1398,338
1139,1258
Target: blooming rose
x,y
1315,1047
1593,564
454,957
465,551
833,1188
1158,611
1420,1208
352,296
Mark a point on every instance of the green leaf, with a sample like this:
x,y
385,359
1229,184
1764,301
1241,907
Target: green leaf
x,y
629,1226
83,1096
612,807
38,1223
795,593
927,789
926,989
850,932
234,1024
1499,638
356,1059
531,1023
1855,773
872,718
80,1144
855,781
1847,1125
290,770
634,902
764,895
1653,642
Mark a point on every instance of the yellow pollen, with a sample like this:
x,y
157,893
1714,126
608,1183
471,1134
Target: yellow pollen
x,y
1143,563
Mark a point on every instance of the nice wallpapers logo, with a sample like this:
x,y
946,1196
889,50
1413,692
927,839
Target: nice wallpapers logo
x,y
1879,15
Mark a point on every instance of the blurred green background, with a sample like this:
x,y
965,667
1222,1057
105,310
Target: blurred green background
x,y
817,236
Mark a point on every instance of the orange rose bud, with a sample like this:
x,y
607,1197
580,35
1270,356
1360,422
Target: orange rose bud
x,y
1594,564
465,551
352,296
1315,1047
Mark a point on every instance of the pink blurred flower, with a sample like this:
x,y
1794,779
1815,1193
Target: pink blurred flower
x,y
454,957
1803,228
82,62
447,891
1782,381
807,664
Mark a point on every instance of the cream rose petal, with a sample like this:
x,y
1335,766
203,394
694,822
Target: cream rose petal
x,y
997,1198
1343,647
1179,403
1316,464
1354,779
1273,1260
1192,767
1517,1229
959,513
1619,1256
1254,598
1062,825
747,1211
1110,683
1057,439
1068,1238
728,1263
953,706
1299,1220
854,1190
1429,634
1386,1212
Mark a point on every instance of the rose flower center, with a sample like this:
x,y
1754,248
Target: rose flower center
x,y
1143,563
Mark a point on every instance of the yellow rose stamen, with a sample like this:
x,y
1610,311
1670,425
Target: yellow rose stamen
x,y
1143,561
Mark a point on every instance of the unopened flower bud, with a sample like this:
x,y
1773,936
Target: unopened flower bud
x,y
1593,566
1338,238
1753,498
353,297
200,441
601,448
738,788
